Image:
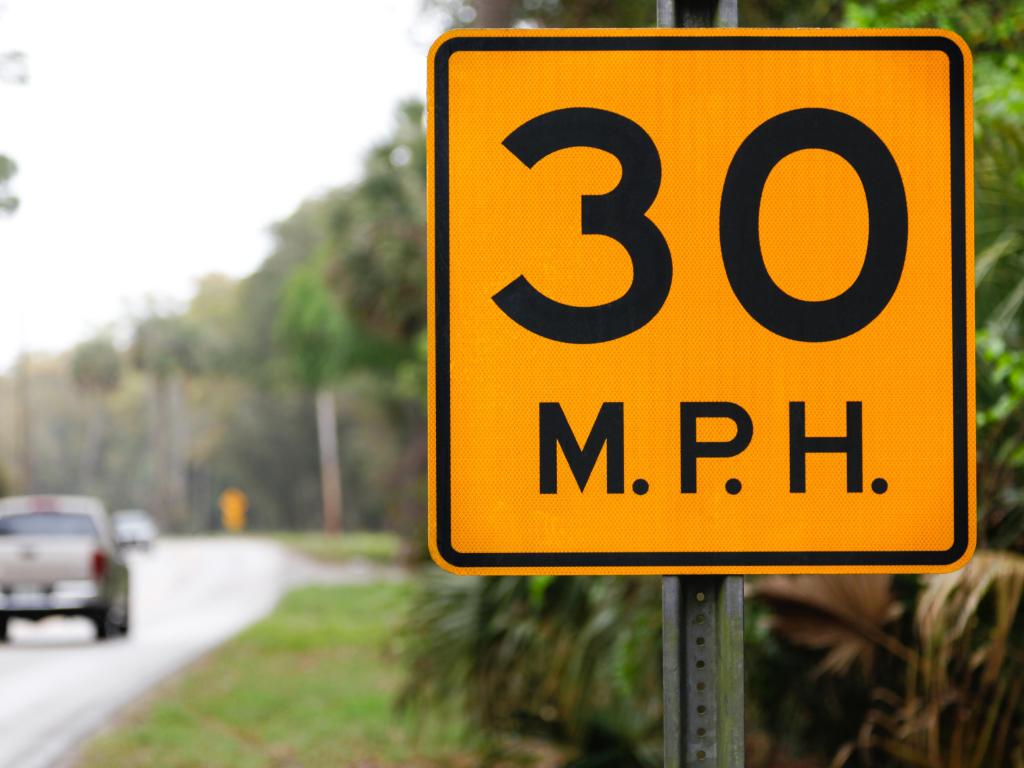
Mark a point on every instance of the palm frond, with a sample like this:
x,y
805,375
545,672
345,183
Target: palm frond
x,y
845,616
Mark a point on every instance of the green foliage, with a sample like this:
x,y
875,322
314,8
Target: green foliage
x,y
999,267
322,343
377,235
994,29
986,25
376,246
1000,385
313,330
96,365
575,659
375,262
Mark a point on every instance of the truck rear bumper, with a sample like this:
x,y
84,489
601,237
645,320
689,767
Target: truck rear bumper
x,y
63,598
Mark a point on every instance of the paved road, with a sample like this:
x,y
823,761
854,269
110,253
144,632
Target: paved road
x,y
58,686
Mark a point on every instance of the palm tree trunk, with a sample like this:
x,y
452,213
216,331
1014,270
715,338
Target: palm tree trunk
x,y
330,470
178,437
162,449
89,455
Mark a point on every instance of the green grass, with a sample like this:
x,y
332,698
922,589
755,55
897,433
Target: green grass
x,y
378,546
313,685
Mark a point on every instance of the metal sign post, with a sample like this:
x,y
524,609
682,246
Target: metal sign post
x,y
702,664
698,13
702,616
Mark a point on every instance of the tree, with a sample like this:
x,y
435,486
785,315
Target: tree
x,y
319,340
96,365
376,234
166,347
217,322
376,264
367,251
96,371
294,329
261,354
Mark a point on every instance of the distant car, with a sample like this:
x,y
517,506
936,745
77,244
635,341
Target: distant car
x,y
135,528
58,557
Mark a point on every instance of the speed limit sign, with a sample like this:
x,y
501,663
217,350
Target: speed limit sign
x,y
701,302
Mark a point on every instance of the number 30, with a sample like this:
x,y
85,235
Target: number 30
x,y
621,214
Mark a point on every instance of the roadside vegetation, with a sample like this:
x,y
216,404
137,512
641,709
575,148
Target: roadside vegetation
x,y
376,546
315,684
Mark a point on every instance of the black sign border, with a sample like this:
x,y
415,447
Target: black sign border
x,y
777,559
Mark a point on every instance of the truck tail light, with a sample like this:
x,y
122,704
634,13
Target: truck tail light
x,y
99,564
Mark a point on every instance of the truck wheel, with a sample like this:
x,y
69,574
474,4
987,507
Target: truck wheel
x,y
125,627
3,629
105,629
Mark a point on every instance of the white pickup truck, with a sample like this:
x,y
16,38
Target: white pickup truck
x,y
58,557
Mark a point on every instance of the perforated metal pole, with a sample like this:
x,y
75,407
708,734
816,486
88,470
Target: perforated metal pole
x,y
698,13
702,658
702,616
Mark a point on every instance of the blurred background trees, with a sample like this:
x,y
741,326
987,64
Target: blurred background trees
x,y
96,371
236,388
318,338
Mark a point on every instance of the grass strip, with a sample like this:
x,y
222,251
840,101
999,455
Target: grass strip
x,y
312,685
377,546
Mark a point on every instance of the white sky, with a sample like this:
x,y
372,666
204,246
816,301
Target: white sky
x,y
157,139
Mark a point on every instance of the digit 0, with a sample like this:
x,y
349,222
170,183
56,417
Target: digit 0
x,y
759,153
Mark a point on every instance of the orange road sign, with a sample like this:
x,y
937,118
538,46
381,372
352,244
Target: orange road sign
x,y
701,301
234,505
